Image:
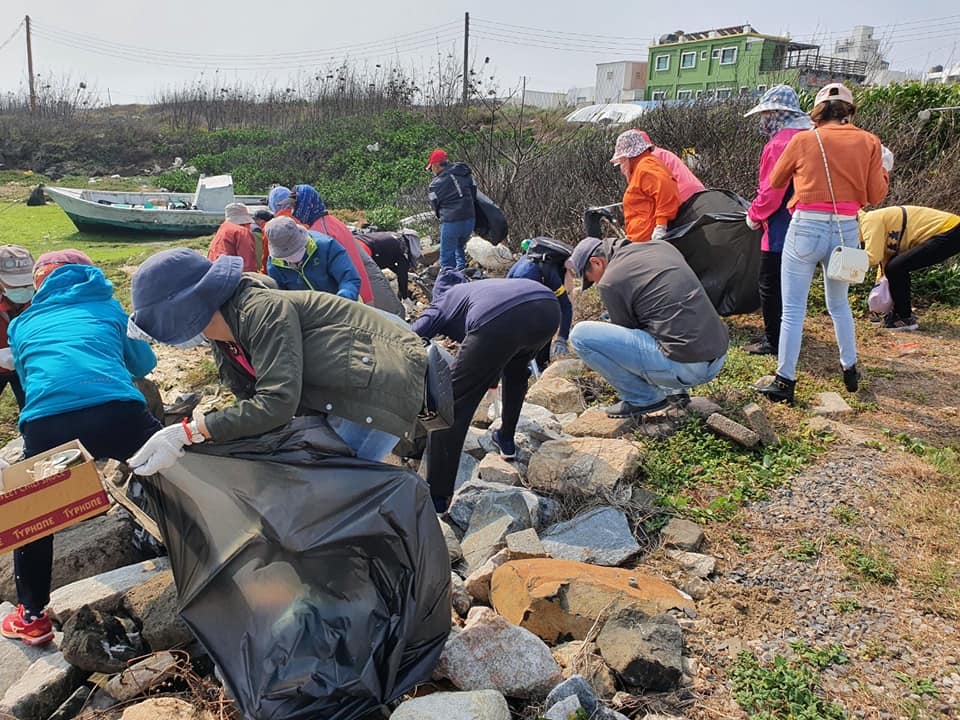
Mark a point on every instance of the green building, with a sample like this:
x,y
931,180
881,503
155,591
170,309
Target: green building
x,y
735,61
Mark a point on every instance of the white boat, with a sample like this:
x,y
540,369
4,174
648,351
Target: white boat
x,y
158,213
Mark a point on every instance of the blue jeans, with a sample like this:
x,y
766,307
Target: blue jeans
x,y
453,240
811,238
368,443
632,361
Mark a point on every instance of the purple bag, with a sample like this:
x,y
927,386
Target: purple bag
x,y
879,300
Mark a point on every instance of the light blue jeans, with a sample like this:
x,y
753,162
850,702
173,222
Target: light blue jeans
x,y
811,238
631,360
368,443
453,241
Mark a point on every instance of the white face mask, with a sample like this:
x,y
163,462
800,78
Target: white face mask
x,y
19,295
197,340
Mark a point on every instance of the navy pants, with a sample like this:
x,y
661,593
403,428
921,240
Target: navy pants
x,y
114,430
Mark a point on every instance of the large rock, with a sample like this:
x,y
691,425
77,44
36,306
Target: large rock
x,y
93,547
525,544
471,444
165,709
574,686
491,654
477,705
494,517
454,551
562,599
494,468
139,678
582,466
556,394
536,423
97,642
732,430
645,652
567,709
465,501
478,582
42,688
156,606
460,599
682,534
103,592
596,423
578,657
695,563
759,422
601,537
569,369
830,404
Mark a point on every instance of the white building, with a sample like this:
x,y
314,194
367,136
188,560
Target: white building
x,y
540,99
623,81
941,74
580,96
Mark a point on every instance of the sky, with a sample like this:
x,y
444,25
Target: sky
x,y
138,48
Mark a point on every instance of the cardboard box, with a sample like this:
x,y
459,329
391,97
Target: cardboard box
x,y
31,509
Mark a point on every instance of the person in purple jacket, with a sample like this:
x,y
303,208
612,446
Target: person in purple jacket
x,y
500,325
780,119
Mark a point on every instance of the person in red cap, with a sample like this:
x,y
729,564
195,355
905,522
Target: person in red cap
x,y
452,194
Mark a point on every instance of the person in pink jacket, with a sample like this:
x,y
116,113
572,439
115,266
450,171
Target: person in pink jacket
x,y
780,119
687,183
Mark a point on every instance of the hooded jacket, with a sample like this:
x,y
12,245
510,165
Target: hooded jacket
x,y
453,192
71,349
652,198
316,353
326,267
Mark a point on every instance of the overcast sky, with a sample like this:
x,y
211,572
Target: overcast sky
x,y
138,47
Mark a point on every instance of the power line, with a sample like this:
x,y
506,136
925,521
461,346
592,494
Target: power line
x,y
523,37
563,48
12,36
554,33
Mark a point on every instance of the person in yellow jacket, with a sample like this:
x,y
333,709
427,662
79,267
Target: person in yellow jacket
x,y
904,238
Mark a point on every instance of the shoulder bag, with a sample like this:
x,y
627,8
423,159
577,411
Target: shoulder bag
x,y
847,264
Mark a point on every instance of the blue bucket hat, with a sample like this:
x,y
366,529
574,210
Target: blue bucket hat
x,y
778,98
176,292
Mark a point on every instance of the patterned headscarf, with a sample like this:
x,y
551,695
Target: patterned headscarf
x,y
309,205
278,197
773,121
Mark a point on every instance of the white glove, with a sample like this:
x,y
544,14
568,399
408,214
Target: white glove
x,y
752,225
163,449
886,158
6,358
3,466
658,232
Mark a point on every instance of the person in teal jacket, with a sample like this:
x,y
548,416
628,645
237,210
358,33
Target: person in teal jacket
x,y
77,365
302,259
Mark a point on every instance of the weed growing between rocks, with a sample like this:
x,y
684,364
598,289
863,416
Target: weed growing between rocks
x,y
789,688
870,563
703,477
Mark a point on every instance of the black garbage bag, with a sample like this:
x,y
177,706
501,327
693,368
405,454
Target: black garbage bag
x,y
37,197
317,582
711,232
491,223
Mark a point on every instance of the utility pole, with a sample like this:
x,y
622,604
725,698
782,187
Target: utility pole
x,y
466,59
33,92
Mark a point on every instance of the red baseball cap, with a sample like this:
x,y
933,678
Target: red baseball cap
x,y
437,156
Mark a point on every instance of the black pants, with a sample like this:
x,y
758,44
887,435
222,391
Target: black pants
x,y
392,254
13,380
503,348
771,299
113,430
897,271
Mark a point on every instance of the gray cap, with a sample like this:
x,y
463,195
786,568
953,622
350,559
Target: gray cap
x,y
582,253
286,238
16,266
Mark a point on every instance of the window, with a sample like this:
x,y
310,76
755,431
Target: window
x,y
684,94
724,93
699,94
761,89
662,63
609,74
744,91
688,60
715,54
659,95
728,56
703,54
708,94
639,75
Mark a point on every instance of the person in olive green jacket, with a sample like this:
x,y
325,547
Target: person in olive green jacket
x,y
282,353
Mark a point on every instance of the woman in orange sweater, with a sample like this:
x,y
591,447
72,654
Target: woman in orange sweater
x,y
652,197
825,206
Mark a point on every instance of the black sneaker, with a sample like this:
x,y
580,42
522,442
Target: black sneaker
x,y
778,390
624,409
679,400
895,323
851,379
507,448
876,318
761,347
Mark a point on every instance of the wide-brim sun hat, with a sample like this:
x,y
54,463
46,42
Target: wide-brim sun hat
x,y
630,143
778,98
176,292
286,238
238,213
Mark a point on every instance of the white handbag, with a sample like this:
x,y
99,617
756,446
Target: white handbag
x,y
847,264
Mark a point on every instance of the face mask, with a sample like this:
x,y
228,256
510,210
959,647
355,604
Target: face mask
x,y
197,340
19,295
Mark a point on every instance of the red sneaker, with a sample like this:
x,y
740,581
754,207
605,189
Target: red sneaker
x,y
37,632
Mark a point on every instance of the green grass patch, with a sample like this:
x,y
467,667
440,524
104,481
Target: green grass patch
x,y
869,562
704,477
924,687
845,514
787,690
945,459
846,604
804,551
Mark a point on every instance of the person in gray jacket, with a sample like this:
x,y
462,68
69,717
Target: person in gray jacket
x,y
664,335
452,194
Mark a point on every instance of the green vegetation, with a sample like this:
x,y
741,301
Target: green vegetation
x,y
384,218
946,460
819,658
742,542
804,551
871,563
788,689
918,686
845,513
704,477
846,604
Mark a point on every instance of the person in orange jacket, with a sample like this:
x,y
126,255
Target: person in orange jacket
x,y
234,237
652,197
